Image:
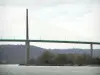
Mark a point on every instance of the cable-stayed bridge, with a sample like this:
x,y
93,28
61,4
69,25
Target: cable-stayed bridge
x,y
27,41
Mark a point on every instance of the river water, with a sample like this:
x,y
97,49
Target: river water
x,y
48,70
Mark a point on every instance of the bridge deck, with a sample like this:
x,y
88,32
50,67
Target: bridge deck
x,y
48,41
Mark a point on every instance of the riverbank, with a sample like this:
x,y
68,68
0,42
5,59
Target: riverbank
x,y
49,70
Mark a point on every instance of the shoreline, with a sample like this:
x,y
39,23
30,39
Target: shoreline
x,y
57,65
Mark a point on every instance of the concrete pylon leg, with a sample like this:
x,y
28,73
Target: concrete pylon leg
x,y
91,48
27,39
27,52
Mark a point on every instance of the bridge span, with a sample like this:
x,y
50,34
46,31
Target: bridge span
x,y
27,41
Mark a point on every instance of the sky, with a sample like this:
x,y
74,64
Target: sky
x,y
51,19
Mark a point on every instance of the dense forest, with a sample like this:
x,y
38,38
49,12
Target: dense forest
x,y
50,59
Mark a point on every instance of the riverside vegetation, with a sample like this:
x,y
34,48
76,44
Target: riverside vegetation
x,y
50,59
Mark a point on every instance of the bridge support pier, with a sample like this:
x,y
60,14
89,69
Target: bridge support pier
x,y
27,52
27,40
91,50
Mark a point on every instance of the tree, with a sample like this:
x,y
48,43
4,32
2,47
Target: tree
x,y
96,61
70,59
60,59
46,58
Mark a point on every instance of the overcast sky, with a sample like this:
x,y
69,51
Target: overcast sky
x,y
51,19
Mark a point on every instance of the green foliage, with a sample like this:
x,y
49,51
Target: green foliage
x,y
60,59
48,58
96,61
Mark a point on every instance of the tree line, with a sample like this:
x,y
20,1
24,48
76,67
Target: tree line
x,y
51,59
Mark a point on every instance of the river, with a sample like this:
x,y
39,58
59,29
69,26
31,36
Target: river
x,y
48,70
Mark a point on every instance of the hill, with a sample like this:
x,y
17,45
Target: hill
x,y
15,54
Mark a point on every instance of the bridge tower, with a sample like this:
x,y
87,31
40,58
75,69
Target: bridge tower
x,y
27,39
